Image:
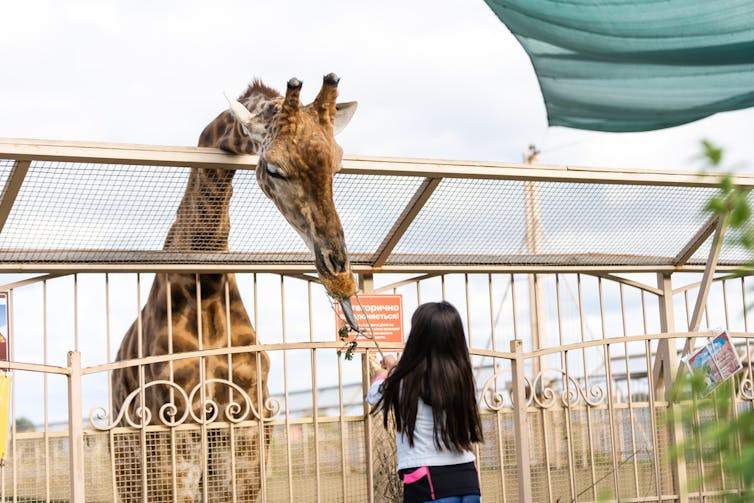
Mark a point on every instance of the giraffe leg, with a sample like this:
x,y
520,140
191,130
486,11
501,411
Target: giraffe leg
x,y
220,481
188,467
248,462
127,457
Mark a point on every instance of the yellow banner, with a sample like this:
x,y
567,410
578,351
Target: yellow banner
x,y
4,401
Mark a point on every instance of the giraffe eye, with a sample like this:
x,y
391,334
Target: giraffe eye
x,y
273,171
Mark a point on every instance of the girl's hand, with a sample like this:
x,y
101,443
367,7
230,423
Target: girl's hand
x,y
388,363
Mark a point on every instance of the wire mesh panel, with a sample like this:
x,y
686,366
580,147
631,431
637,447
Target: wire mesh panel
x,y
73,206
95,212
496,221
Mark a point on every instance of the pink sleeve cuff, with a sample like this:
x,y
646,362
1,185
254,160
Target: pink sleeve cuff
x,y
377,379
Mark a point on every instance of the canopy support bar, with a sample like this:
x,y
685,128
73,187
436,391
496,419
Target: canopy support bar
x,y
704,232
11,189
709,274
408,215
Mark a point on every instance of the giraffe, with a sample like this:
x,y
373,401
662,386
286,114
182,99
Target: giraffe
x,y
298,157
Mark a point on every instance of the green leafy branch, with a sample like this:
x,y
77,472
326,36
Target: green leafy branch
x,y
349,347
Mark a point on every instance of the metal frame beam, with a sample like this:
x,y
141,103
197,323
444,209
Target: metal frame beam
x,y
152,155
414,206
709,274
704,232
11,189
301,268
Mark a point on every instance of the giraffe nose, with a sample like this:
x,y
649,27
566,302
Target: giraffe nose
x,y
331,261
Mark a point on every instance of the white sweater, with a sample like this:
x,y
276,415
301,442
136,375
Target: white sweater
x,y
424,452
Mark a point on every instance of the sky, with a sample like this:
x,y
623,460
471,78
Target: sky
x,y
434,79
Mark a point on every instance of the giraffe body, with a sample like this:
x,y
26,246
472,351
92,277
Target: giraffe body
x,y
188,312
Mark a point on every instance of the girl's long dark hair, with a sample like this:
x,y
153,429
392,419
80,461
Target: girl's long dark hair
x,y
435,367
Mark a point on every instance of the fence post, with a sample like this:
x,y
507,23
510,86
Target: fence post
x,y
75,428
520,424
668,352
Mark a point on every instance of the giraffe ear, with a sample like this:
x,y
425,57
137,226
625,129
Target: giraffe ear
x,y
253,127
343,114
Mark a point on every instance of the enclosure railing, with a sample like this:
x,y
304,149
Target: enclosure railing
x,y
571,282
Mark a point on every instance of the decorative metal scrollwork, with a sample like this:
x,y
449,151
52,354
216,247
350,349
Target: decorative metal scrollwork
x,y
543,395
493,398
234,411
746,388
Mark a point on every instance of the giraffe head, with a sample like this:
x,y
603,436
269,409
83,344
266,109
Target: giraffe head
x,y
298,157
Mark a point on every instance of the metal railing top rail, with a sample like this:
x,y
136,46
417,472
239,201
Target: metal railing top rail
x,y
363,344
177,156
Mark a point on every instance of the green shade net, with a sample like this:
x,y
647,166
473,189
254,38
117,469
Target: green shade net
x,y
636,65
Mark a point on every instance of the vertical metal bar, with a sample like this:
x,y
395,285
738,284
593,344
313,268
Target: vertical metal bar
x,y
609,386
442,285
652,403
260,400
75,428
11,352
108,352
315,401
285,387
111,434
538,325
231,425
634,449
725,305
202,390
369,447
468,308
498,414
566,384
46,394
173,436
746,327
513,307
142,396
653,420
586,387
342,423
76,312
520,424
491,307
734,409
700,469
699,447
468,335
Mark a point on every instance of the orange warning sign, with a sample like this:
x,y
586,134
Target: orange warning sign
x,y
385,314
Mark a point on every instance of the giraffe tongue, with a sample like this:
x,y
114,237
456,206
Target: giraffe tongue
x,y
348,313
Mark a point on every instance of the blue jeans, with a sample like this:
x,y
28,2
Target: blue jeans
x,y
470,498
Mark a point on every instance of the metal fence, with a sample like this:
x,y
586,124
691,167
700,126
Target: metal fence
x,y
576,419
580,288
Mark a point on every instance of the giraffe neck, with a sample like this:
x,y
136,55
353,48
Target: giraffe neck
x,y
202,221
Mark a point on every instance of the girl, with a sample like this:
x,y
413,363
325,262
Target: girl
x,y
432,396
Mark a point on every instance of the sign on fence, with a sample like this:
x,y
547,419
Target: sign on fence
x,y
717,360
383,313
